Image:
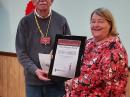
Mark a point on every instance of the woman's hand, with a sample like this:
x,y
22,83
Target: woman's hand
x,y
68,85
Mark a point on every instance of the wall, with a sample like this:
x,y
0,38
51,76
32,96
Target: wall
x,y
11,11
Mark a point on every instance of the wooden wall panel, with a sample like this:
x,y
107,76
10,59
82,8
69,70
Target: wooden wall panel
x,y
12,78
0,80
22,83
4,76
1,84
128,86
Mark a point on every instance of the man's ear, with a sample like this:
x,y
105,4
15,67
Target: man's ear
x,y
33,1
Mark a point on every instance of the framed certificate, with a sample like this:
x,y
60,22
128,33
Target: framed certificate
x,y
67,54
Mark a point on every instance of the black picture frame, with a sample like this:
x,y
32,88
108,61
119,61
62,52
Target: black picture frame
x,y
76,39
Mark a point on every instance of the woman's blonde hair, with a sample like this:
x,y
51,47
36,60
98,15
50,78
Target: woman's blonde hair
x,y
107,15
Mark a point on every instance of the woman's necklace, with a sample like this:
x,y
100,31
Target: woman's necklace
x,y
44,37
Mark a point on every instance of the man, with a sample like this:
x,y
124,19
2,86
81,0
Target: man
x,y
36,34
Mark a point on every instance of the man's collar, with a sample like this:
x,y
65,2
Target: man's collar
x,y
42,16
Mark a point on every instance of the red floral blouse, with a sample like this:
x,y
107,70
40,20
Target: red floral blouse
x,y
104,71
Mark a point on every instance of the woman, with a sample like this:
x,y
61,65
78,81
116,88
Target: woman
x,y
104,70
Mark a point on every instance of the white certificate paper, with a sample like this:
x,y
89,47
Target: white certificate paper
x,y
67,55
45,60
65,61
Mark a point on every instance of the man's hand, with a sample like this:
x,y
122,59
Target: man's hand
x,y
41,75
